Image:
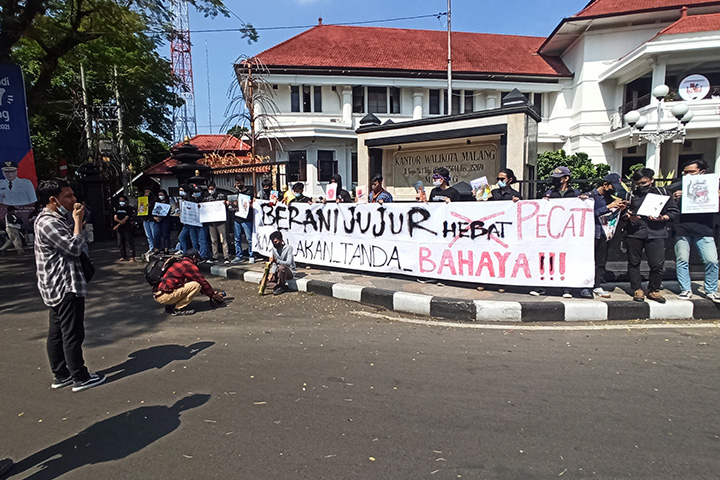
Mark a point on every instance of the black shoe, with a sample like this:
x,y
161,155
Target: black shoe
x,y
183,311
169,308
94,380
61,382
280,289
5,465
586,293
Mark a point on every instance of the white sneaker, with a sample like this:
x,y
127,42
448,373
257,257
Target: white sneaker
x,y
687,295
714,296
600,292
251,260
567,294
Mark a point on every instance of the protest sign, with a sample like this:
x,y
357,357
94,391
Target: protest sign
x,y
652,205
700,193
243,203
212,212
420,189
361,194
161,210
143,208
190,213
524,243
331,193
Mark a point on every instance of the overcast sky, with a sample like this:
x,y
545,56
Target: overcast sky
x,y
514,17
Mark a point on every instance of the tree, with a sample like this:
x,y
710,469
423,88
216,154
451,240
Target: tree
x,y
580,165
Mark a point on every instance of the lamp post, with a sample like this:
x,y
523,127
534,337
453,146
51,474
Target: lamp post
x,y
638,122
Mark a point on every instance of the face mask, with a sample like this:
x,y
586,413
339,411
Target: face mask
x,y
62,210
643,189
197,194
437,183
212,192
182,194
502,184
161,197
122,204
557,181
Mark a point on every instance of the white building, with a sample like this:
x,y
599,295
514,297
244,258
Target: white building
x,y
595,66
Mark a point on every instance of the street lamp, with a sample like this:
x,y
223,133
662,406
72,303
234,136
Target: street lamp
x,y
638,122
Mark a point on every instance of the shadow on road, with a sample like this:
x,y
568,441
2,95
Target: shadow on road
x,y
108,440
154,357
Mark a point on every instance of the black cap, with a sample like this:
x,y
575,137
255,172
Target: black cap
x,y
8,165
191,252
615,180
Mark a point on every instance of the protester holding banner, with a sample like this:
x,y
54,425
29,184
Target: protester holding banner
x,y
151,222
165,221
504,191
343,196
377,193
647,233
13,226
266,189
123,217
243,220
299,197
443,192
188,235
697,229
217,230
605,206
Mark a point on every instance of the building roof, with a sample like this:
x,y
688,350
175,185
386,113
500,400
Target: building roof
x,y
379,48
213,143
602,8
234,150
693,24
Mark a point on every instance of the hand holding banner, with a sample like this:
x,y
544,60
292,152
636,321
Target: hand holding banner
x,y
212,212
331,194
190,213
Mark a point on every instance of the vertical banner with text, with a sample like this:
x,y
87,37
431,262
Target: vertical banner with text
x,y
534,242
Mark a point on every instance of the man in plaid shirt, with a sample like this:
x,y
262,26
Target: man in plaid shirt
x,y
181,282
62,284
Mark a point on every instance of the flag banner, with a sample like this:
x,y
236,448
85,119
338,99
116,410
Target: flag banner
x,y
533,242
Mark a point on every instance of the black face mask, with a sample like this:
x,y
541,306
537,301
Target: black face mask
x,y
556,181
643,188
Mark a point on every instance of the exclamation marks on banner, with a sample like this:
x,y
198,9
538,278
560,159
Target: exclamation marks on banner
x,y
550,258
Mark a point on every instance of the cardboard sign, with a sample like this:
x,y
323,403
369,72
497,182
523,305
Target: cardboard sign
x,y
243,202
700,193
331,193
143,207
531,242
652,205
361,193
190,213
161,210
212,212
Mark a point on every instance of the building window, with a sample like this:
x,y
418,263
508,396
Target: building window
x,y
358,93
456,97
306,98
317,99
377,100
297,166
354,167
469,101
294,98
326,164
537,102
434,102
394,100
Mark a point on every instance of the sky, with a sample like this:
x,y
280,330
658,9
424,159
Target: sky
x,y
214,53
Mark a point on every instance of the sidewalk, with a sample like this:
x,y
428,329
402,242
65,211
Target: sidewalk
x,y
465,302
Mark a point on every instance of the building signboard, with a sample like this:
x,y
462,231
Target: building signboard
x,y
464,163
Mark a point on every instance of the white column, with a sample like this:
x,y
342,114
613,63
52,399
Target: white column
x,y
490,100
658,78
417,104
347,104
652,160
479,101
717,155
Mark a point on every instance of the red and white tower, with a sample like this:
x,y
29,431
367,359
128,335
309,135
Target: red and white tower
x,y
184,117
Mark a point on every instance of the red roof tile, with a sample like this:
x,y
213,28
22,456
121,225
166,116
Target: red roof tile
x,y
212,143
693,24
404,49
598,8
162,168
207,144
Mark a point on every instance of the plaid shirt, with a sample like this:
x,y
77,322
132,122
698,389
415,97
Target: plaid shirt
x,y
57,256
180,273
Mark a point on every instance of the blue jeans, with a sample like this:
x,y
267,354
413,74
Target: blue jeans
x,y
188,238
151,232
163,238
708,254
203,243
240,228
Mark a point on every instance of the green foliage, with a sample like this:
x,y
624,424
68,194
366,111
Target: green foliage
x,y
579,164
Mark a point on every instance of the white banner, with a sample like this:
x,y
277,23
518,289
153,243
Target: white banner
x,y
534,242
190,213
213,211
700,193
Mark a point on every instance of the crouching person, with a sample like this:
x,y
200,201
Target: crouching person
x,y
181,283
283,262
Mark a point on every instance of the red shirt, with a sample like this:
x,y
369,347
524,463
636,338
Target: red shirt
x,y
180,273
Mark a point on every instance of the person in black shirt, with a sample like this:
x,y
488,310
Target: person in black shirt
x,y
245,225
648,234
151,223
443,192
504,191
13,226
123,215
298,189
217,230
266,189
343,196
698,229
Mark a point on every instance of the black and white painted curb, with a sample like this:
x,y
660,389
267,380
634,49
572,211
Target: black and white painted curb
x,y
491,310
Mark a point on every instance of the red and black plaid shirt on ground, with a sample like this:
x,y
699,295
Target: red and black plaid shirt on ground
x,y
180,273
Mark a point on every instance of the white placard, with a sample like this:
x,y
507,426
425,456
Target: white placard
x,y
213,212
532,242
331,193
700,193
652,205
361,194
243,202
161,210
190,213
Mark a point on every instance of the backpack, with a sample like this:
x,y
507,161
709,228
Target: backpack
x,y
155,271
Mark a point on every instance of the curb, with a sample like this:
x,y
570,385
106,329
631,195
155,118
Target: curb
x,y
486,310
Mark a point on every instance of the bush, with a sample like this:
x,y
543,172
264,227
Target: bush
x,y
580,165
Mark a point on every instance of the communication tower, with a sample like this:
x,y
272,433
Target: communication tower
x,y
184,116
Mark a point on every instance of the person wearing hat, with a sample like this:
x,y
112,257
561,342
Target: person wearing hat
x,y
14,190
443,192
605,202
181,283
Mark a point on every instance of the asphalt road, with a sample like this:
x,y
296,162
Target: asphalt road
x,y
302,386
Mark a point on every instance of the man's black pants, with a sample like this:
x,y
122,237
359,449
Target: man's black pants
x,y
125,241
65,338
601,252
655,252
